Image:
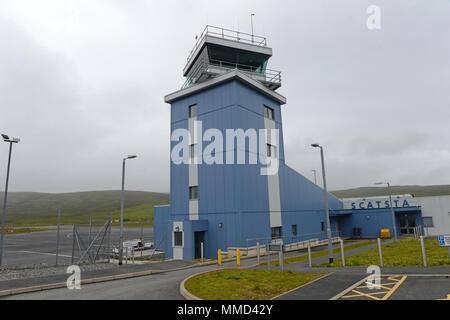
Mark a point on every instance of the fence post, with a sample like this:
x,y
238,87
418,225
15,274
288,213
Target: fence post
x,y
309,254
132,254
424,254
109,237
142,238
268,257
73,243
257,252
201,250
219,257
90,229
380,254
57,236
281,257
238,257
342,252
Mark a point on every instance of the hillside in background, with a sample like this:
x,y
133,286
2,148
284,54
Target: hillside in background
x,y
32,208
417,191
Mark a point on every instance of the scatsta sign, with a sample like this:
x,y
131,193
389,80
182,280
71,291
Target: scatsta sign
x,y
404,201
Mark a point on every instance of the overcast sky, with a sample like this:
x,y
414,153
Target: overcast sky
x,y
82,84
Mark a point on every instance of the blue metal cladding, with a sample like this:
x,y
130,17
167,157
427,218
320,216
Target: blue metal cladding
x,y
233,198
371,221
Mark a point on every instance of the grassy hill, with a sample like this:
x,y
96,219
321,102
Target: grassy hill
x,y
417,191
38,209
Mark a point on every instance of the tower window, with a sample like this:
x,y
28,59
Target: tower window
x,y
271,151
178,238
193,193
322,226
269,113
276,232
294,229
192,151
192,111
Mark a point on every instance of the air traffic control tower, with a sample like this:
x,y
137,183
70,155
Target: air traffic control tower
x,y
227,205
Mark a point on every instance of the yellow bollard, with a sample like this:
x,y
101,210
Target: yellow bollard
x,y
238,255
219,257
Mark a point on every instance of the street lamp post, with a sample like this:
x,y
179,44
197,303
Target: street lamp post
x,y
121,208
330,245
10,141
392,208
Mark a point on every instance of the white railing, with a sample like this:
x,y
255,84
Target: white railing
x,y
229,35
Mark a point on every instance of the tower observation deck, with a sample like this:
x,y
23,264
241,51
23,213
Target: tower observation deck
x,y
220,50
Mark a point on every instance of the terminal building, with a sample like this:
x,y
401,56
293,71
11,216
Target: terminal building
x,y
227,204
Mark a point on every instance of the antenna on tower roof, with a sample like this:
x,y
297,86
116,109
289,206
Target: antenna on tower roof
x,y
251,18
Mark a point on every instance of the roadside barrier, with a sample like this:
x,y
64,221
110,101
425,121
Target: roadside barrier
x,y
380,254
309,254
424,254
342,252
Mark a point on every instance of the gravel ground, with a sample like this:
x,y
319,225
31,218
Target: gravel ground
x,y
40,270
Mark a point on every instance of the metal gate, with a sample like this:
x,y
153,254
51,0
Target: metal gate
x,y
91,244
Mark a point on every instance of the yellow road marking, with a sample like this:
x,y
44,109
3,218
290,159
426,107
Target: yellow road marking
x,y
394,288
396,281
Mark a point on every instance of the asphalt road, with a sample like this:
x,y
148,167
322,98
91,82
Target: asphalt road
x,y
423,288
40,247
163,286
418,284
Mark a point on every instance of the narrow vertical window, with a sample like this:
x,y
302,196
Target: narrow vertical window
x,y
294,229
192,111
269,113
193,193
192,151
271,150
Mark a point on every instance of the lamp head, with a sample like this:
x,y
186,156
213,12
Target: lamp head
x,y
6,138
315,145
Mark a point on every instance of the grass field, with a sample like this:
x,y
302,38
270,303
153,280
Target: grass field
x,y
319,254
235,284
402,253
40,209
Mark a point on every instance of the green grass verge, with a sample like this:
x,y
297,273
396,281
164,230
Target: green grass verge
x,y
406,252
236,284
319,254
